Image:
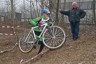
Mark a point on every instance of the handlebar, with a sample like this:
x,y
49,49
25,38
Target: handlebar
x,y
45,20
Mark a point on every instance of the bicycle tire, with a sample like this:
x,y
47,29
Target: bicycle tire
x,y
24,46
55,41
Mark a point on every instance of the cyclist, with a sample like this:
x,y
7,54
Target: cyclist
x,y
36,22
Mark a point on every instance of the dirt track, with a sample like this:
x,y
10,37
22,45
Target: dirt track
x,y
81,51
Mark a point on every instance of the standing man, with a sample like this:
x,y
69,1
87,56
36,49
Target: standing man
x,y
74,15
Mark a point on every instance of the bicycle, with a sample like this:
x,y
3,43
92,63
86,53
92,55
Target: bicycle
x,y
53,37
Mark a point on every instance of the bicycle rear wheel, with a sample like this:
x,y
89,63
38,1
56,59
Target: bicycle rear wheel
x,y
25,42
54,37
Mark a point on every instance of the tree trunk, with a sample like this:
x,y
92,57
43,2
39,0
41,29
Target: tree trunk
x,y
57,9
50,5
31,9
62,16
94,12
42,5
12,11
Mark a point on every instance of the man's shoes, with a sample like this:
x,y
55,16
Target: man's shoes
x,y
75,38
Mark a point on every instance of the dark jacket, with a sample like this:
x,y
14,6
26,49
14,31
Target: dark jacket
x,y
74,14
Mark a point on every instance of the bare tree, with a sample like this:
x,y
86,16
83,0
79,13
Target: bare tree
x,y
63,7
30,9
24,9
8,9
57,10
94,17
12,10
42,5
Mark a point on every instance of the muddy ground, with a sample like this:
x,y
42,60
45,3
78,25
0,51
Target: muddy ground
x,y
81,51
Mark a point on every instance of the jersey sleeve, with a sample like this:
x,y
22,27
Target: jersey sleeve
x,y
35,21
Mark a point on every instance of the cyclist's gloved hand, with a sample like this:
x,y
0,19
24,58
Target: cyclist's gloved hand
x,y
40,23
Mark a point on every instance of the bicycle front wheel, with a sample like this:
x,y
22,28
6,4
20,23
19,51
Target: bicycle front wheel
x,y
54,37
25,42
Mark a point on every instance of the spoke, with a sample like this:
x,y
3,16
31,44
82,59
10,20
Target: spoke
x,y
60,40
56,41
59,32
59,36
47,34
50,32
47,39
50,43
53,42
55,30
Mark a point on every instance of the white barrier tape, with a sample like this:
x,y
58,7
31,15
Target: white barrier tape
x,y
8,34
7,26
14,33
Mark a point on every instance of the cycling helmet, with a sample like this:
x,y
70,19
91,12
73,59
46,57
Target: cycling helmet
x,y
45,11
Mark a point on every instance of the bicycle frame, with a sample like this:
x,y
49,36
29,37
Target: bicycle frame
x,y
32,30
